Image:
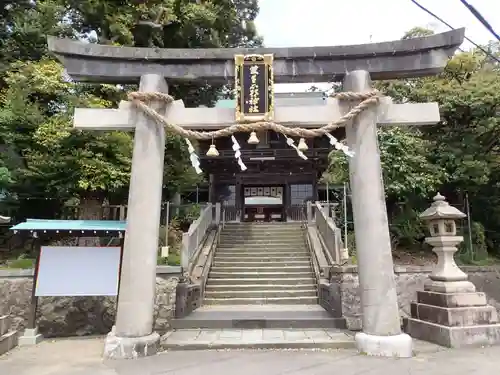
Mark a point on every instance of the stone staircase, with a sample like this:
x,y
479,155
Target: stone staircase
x,y
260,264
8,338
261,293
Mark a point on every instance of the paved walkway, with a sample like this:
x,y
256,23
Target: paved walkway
x,y
83,357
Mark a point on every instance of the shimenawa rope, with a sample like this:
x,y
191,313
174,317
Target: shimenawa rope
x,y
368,99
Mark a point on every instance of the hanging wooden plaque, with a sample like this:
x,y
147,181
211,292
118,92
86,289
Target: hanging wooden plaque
x,y
254,87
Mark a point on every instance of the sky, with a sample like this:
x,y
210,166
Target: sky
x,y
308,23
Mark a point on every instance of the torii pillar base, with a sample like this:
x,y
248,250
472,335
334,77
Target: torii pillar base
x,y
398,346
130,347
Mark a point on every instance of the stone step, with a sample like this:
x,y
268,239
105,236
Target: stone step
x,y
281,224
254,287
257,256
258,233
272,242
263,225
217,339
269,241
226,281
269,232
263,258
280,268
258,317
278,242
256,263
266,294
263,229
258,275
262,248
8,341
4,324
260,254
261,236
262,301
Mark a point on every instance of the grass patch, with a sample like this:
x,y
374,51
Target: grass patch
x,y
464,259
172,260
21,263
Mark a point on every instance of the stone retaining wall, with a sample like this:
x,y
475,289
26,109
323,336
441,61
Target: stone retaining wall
x,y
70,316
409,279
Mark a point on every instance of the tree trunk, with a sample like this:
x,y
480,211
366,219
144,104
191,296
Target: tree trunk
x,y
90,209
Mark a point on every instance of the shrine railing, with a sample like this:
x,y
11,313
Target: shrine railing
x,y
230,214
330,234
193,238
296,212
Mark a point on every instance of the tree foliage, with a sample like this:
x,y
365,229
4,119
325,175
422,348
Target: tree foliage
x,y
42,155
406,168
458,156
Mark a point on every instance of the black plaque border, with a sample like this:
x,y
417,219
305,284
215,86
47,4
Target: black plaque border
x,y
239,62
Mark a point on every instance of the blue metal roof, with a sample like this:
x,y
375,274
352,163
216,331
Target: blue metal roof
x,y
71,225
225,103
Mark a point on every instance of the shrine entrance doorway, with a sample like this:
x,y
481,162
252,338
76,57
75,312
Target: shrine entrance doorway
x,y
263,203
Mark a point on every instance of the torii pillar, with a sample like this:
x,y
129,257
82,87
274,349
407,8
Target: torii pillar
x,y
382,333
133,335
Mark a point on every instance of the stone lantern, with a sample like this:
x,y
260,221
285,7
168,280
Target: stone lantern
x,y
441,220
449,311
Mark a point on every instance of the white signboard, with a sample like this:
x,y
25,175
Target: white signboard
x,y
78,271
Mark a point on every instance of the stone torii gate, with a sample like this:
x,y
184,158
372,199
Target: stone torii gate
x,y
133,334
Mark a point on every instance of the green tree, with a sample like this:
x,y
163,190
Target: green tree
x,y
50,159
407,171
417,32
457,156
170,24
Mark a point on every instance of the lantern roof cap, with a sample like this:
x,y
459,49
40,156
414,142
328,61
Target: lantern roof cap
x,y
440,209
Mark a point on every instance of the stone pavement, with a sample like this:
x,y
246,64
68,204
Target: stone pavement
x,y
192,339
83,357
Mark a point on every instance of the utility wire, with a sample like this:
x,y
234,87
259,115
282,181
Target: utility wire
x,y
451,27
480,18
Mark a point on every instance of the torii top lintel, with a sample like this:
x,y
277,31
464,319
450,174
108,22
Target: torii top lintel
x,y
388,60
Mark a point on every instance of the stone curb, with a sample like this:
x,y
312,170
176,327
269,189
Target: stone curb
x,y
20,273
306,344
417,269
14,272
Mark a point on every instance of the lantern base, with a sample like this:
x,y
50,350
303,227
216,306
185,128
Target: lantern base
x,y
454,320
453,337
449,286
